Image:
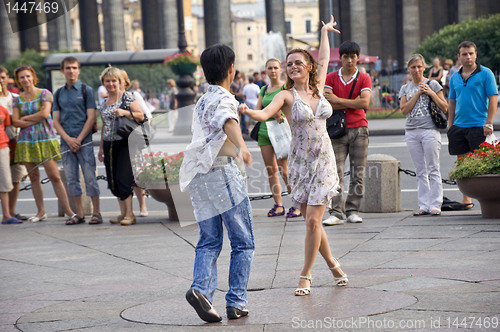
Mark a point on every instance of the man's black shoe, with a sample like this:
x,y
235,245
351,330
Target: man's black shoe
x,y
235,313
203,307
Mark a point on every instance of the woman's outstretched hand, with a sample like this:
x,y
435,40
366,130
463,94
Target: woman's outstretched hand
x,y
243,108
330,26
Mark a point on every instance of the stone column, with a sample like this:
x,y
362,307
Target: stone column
x,y
9,41
218,28
89,26
388,31
168,23
411,27
359,32
56,31
426,18
466,10
28,28
275,16
150,24
374,31
327,7
114,29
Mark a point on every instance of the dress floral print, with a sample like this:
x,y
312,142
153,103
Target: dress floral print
x,y
38,142
312,170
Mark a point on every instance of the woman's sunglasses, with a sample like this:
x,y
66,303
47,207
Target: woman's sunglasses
x,y
23,67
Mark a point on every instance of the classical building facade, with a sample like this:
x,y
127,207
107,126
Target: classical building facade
x,y
385,28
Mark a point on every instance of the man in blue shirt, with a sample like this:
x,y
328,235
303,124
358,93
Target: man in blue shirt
x,y
74,114
472,105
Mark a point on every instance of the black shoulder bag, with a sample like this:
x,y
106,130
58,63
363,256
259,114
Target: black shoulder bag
x,y
254,134
438,117
336,124
125,127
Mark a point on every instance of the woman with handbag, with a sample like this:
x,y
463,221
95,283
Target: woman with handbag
x,y
423,138
114,150
273,165
37,143
139,192
311,162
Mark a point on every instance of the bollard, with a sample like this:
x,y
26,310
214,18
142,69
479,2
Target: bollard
x,y
86,201
382,184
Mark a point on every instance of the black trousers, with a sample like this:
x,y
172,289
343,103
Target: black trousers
x,y
118,168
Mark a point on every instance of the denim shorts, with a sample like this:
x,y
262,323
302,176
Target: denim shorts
x,y
72,161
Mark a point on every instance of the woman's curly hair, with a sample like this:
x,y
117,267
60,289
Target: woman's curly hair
x,y
313,81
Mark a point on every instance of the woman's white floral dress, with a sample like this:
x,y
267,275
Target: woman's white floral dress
x,y
312,171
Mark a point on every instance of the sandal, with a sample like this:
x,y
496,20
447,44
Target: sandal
x,y
342,280
272,212
37,219
96,219
306,290
291,213
116,220
20,217
75,219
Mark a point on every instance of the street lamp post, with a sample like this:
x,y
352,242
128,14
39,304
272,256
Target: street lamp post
x,y
185,95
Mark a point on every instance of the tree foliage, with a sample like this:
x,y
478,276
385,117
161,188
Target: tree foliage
x,y
484,32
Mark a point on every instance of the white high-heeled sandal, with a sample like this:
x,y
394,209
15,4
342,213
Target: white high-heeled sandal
x,y
306,290
342,280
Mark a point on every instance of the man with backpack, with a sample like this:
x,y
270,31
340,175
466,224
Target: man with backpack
x,y
74,115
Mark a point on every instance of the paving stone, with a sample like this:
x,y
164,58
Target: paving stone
x,y
270,309
414,283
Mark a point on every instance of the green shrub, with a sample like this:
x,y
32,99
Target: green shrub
x,y
484,32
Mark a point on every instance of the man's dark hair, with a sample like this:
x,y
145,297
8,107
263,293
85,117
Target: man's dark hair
x,y
466,44
69,59
250,79
348,48
216,61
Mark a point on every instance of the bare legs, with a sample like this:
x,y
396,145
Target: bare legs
x,y
4,200
126,207
36,187
139,192
466,199
275,167
316,240
13,195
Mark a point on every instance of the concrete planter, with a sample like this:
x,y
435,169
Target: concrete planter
x,y
178,203
486,189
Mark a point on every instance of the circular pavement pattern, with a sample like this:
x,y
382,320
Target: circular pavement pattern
x,y
267,306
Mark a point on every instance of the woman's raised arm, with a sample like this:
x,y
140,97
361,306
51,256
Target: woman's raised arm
x,y
324,52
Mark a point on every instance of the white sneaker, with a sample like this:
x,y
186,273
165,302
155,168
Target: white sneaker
x,y
354,218
333,221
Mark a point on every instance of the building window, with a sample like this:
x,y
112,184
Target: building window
x,y
288,26
249,41
249,28
249,57
308,26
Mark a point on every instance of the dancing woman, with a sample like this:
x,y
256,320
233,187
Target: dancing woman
x,y
311,163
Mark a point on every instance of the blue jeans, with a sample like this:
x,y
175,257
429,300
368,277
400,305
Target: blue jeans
x,y
86,159
239,225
